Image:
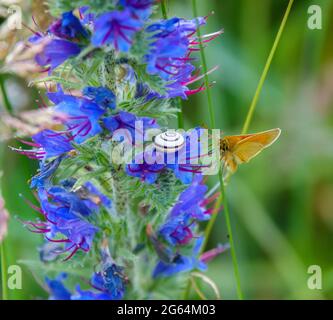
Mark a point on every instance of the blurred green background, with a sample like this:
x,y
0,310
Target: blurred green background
x,y
282,202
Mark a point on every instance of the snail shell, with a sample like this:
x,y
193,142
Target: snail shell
x,y
169,141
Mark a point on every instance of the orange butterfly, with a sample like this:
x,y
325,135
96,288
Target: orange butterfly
x,y
235,150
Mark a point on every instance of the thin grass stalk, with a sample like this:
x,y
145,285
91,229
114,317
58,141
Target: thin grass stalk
x,y
266,68
180,115
3,261
3,271
231,239
164,9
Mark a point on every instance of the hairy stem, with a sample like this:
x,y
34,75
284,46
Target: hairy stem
x,y
118,195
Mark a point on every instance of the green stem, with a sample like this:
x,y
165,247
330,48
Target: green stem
x,y
204,69
187,290
180,115
211,222
6,101
164,9
3,271
231,239
266,68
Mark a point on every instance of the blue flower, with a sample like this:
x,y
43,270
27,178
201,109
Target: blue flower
x,y
68,27
169,55
67,214
135,126
163,58
178,228
103,96
57,289
80,116
107,286
46,144
111,281
89,295
116,28
83,202
192,201
140,9
56,52
144,170
177,231
190,207
51,143
64,224
46,170
181,263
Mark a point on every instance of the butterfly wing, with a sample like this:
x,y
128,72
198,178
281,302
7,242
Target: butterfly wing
x,y
234,140
250,146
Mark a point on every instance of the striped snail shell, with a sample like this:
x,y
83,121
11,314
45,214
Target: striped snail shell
x,y
169,141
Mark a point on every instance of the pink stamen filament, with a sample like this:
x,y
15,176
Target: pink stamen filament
x,y
194,91
75,250
210,254
210,199
57,240
30,143
32,206
196,78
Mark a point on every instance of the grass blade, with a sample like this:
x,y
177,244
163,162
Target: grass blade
x,y
3,271
231,239
266,68
164,9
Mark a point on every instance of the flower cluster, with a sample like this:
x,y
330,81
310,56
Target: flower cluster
x,y
180,227
109,286
173,41
67,215
132,67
